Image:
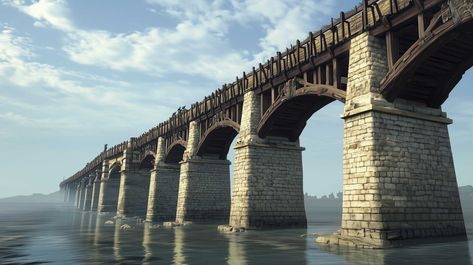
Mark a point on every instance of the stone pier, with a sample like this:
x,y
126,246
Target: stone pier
x,y
71,194
267,184
399,178
80,195
134,187
109,187
163,189
95,191
87,194
204,185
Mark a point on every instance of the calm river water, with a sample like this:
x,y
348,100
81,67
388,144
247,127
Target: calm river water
x,y
57,234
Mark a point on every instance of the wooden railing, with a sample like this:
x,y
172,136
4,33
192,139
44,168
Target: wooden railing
x,y
362,18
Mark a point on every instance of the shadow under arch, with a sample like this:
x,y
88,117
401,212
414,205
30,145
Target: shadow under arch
x,y
288,115
217,139
175,151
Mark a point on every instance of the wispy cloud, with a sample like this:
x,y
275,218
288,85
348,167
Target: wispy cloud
x,y
197,45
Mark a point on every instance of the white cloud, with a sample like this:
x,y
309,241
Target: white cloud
x,y
197,45
38,95
283,21
48,12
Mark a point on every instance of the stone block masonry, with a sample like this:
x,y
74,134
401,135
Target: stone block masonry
x,y
267,183
204,191
109,188
108,195
163,189
204,185
95,193
133,196
80,196
87,196
399,178
268,188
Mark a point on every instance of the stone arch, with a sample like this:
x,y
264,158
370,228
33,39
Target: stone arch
x,y
434,64
114,171
175,151
148,161
217,139
288,115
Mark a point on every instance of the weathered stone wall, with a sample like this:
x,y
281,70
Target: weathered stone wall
x,y
87,197
268,187
109,188
71,194
204,185
95,194
399,178
204,191
267,183
80,196
133,196
108,195
163,189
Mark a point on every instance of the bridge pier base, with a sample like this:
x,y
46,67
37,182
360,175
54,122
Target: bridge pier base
x,y
80,202
163,188
267,184
204,185
133,195
71,194
268,188
87,196
204,191
163,193
108,195
109,187
95,193
399,178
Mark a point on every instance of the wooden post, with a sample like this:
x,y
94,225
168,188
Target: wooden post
x,y
392,45
365,14
327,74
336,73
421,25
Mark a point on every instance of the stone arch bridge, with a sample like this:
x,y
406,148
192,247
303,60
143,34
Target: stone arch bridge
x,y
391,62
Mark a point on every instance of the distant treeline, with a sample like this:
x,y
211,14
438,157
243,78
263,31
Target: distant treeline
x,y
466,193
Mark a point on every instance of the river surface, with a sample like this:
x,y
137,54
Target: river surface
x,y
57,234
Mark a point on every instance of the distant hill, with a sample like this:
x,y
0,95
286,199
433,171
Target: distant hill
x,y
55,197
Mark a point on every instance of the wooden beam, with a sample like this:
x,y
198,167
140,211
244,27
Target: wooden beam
x,y
392,45
404,17
421,25
419,4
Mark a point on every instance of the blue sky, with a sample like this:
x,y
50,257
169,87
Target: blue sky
x,y
75,75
